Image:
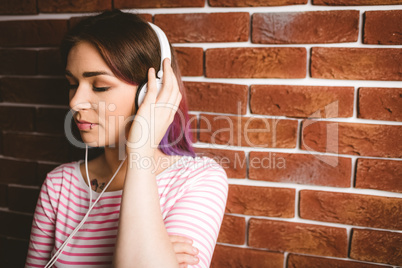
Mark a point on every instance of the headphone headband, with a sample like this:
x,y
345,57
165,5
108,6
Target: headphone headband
x,y
165,47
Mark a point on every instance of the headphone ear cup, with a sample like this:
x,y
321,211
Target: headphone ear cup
x,y
142,91
139,97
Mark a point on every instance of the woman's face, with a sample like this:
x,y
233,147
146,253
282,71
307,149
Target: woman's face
x,y
97,97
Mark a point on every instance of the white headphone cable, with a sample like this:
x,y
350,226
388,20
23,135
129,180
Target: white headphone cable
x,y
61,249
86,169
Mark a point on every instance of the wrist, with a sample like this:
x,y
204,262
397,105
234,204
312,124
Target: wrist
x,y
140,152
146,149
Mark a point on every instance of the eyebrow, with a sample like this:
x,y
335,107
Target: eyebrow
x,y
89,74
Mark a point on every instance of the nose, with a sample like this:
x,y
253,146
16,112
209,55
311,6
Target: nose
x,y
80,98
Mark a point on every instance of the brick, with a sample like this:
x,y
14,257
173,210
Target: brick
x,y
362,210
383,27
34,90
352,138
16,252
51,120
234,162
356,2
193,125
14,224
302,261
261,201
248,131
379,175
302,101
18,7
146,16
190,60
258,62
376,246
42,170
380,103
22,199
32,32
205,27
233,230
254,3
297,237
356,63
207,97
3,246
18,61
300,168
17,171
49,62
225,256
38,147
310,27
17,118
121,4
3,195
66,6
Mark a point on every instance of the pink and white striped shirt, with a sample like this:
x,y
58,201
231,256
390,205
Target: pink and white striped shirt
x,y
192,192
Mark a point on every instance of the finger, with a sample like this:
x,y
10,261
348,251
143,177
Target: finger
x,y
179,238
175,98
150,96
174,107
180,247
167,69
186,259
167,82
175,89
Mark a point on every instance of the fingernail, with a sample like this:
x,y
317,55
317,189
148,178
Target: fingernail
x,y
195,250
195,258
189,241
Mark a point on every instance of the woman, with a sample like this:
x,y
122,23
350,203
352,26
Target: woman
x,y
171,199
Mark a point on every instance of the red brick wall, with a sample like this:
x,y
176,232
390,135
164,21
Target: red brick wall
x,y
299,100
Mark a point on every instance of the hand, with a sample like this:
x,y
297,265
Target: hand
x,y
156,113
184,250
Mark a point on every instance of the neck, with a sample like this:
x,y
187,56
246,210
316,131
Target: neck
x,y
112,159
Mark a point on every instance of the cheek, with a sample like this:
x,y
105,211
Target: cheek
x,y
118,114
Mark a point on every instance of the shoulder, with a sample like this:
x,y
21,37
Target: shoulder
x,y
201,165
62,172
205,169
66,167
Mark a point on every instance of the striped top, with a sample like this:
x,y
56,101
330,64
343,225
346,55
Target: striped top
x,y
192,192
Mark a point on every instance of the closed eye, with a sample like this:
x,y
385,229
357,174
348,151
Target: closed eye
x,y
97,89
100,89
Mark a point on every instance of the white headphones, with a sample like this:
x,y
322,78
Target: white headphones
x,y
165,53
142,90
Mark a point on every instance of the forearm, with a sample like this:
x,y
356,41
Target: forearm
x,y
142,239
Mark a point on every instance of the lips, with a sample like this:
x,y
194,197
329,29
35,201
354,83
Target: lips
x,y
85,125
